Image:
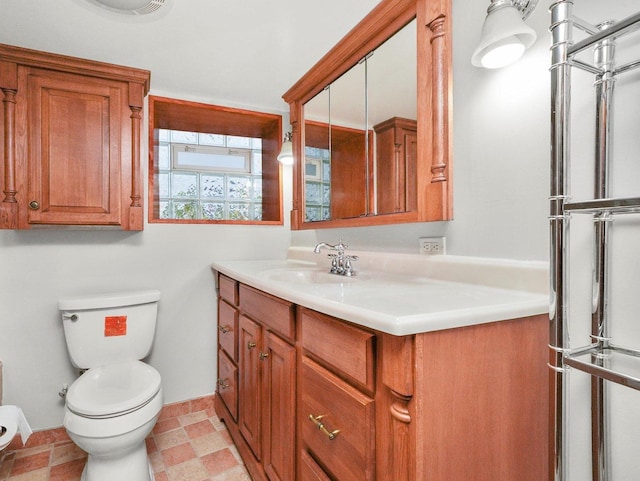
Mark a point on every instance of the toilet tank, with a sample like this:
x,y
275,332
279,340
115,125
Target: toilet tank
x,y
107,328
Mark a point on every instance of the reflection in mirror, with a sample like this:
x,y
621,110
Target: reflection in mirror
x,y
392,113
360,136
317,167
349,147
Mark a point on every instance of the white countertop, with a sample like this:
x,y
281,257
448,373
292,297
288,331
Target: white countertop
x,y
402,294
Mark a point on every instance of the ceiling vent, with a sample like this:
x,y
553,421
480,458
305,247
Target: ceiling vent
x,y
130,7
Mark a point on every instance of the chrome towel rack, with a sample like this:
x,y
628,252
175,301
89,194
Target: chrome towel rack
x,y
603,359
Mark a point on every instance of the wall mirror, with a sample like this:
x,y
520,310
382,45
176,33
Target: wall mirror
x,y
371,122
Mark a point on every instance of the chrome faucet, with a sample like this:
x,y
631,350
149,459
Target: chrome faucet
x,y
340,262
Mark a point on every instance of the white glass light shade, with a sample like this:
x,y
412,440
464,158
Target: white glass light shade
x,y
286,153
504,38
124,4
130,7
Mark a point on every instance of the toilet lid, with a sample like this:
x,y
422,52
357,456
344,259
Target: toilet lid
x,y
114,389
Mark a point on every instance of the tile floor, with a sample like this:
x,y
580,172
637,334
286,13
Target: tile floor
x,y
182,447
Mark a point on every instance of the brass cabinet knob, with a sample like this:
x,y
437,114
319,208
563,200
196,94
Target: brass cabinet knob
x,y
224,329
251,345
263,355
34,205
223,384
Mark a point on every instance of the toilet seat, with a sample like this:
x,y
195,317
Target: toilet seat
x,y
113,390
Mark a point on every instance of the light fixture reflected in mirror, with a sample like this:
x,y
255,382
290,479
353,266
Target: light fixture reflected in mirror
x,y
504,36
286,152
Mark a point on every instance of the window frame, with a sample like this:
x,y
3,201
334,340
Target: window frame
x,y
174,114
208,150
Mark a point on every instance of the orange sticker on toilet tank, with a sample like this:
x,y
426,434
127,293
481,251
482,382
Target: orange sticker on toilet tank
x,y
115,326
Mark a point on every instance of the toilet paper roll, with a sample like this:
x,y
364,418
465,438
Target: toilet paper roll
x,y
13,421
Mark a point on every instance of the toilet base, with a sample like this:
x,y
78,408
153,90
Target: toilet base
x,y
131,466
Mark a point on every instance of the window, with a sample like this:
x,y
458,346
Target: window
x,y
213,164
317,189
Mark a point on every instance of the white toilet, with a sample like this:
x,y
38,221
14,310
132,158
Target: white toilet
x,y
113,406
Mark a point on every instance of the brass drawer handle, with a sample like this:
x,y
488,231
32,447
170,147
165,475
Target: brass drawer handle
x,y
251,345
223,384
317,420
264,355
224,329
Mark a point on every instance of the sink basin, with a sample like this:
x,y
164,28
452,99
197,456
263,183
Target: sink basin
x,y
307,276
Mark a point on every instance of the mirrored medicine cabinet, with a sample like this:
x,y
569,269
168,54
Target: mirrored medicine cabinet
x,y
371,122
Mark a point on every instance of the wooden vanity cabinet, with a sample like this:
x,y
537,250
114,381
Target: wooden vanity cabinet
x,y
321,399
71,141
264,428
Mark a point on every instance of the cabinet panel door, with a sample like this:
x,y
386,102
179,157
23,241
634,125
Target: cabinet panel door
x,y
274,313
279,419
328,404
347,348
309,469
75,124
250,378
227,329
227,383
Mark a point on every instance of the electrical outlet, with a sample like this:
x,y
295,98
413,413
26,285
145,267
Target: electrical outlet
x,y
432,245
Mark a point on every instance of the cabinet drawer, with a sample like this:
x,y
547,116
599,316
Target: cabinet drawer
x,y
228,289
350,454
227,329
275,314
309,469
228,383
344,347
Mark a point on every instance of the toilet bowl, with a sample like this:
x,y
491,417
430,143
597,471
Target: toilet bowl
x,y
112,407
110,410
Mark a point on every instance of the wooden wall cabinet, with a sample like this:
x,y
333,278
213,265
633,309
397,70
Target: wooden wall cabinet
x,y
71,141
432,199
338,402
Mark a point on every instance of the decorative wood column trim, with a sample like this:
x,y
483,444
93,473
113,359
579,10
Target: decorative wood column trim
x,y
136,100
435,182
9,104
136,195
295,113
439,130
9,169
400,407
395,403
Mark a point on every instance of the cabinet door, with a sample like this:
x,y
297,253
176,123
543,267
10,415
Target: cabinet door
x,y
227,383
74,154
337,423
250,399
227,329
309,469
279,360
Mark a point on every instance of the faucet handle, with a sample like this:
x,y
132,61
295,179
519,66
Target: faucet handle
x,y
340,246
348,268
334,263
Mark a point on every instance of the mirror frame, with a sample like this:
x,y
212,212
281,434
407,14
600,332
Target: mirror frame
x,y
434,159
